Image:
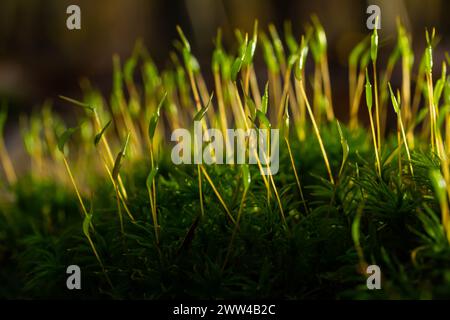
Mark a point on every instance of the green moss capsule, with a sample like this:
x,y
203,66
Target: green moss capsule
x,y
429,51
394,100
301,60
374,45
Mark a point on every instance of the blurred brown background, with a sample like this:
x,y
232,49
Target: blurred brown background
x,y
40,58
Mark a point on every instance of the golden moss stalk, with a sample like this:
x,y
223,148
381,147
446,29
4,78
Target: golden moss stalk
x,y
400,128
286,139
103,138
321,41
217,193
298,74
429,77
62,140
261,113
87,224
373,57
407,59
356,100
372,126
355,79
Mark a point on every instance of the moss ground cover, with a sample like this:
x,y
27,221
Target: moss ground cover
x,y
104,194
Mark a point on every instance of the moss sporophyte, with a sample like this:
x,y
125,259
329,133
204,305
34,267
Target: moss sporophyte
x,y
185,187
243,147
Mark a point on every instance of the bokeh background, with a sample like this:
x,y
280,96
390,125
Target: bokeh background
x,y
40,58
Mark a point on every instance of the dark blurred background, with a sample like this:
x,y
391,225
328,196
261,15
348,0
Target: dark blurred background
x,y
40,58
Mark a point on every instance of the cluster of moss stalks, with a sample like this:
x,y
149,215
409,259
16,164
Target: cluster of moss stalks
x,y
104,194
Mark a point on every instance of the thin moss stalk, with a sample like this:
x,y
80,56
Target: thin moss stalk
x,y
429,77
72,180
317,132
354,57
104,140
372,126
299,75
217,193
358,91
87,225
291,157
373,57
321,40
400,129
